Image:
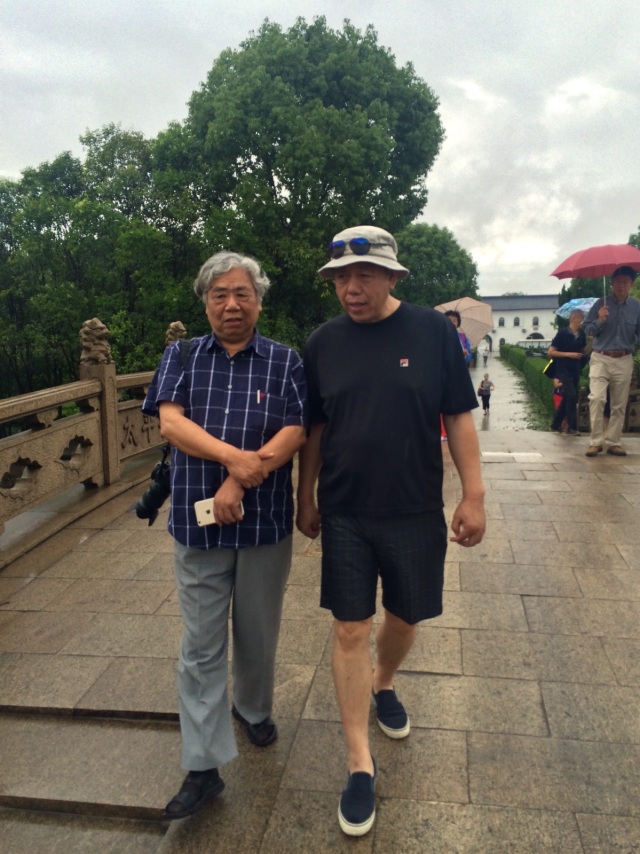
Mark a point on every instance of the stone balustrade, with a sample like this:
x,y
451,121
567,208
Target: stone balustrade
x,y
48,451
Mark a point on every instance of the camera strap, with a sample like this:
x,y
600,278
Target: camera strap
x,y
185,350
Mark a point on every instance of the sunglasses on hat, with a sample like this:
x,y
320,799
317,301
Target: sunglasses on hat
x,y
358,245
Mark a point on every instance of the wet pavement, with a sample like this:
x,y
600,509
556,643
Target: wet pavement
x,y
510,407
523,695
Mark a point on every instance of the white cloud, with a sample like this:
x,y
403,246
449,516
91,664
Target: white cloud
x,y
538,102
580,99
478,95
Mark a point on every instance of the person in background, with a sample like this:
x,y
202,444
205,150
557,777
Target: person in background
x,y
379,376
567,350
614,323
484,391
454,317
235,416
557,397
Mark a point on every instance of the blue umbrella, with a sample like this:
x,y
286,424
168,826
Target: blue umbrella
x,y
584,304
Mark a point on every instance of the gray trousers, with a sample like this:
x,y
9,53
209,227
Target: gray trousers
x,y
206,581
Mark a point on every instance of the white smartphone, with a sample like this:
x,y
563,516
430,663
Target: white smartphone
x,y
205,514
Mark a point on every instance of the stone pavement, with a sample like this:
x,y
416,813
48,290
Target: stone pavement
x,y
524,696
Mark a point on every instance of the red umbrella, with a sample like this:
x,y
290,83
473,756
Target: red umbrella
x,y
598,261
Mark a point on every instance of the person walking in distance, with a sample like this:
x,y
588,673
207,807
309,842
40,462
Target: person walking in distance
x,y
567,351
484,393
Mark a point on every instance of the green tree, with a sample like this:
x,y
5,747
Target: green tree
x,y
304,132
117,168
294,136
38,286
441,270
580,289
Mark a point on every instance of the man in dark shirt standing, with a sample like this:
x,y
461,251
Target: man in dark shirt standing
x,y
235,418
567,350
614,323
379,377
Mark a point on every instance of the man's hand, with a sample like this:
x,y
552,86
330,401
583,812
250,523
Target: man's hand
x,y
227,502
468,523
308,520
247,467
603,313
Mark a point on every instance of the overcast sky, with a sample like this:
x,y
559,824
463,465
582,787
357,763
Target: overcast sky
x,y
540,103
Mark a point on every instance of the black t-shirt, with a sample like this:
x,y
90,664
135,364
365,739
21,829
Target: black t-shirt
x,y
566,342
380,388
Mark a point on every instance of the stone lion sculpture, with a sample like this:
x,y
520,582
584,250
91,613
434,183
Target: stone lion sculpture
x,y
95,347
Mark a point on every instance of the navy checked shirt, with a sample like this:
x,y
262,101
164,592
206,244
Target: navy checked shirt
x,y
243,400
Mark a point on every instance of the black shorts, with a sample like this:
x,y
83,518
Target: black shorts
x,y
407,552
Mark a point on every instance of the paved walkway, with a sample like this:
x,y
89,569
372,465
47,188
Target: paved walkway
x,y
524,696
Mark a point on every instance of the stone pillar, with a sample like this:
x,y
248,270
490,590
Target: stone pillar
x,y
96,363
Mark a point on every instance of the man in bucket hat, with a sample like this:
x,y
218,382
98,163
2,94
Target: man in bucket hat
x,y
379,377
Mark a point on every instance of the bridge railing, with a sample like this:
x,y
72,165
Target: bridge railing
x,y
80,433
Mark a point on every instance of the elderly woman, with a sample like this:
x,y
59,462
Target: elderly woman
x,y
567,350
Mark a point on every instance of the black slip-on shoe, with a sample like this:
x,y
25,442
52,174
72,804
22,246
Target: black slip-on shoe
x,y
197,788
357,809
392,717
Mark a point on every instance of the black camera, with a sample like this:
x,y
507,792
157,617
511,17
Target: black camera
x,y
148,505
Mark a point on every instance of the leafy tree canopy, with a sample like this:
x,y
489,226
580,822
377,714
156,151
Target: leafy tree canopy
x,y
294,136
441,270
308,129
305,132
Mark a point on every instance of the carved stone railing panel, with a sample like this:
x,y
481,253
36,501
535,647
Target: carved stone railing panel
x,y
39,464
53,452
137,432
41,419
19,408
136,385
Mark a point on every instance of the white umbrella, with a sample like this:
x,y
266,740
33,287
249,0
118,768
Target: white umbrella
x,y
583,303
476,318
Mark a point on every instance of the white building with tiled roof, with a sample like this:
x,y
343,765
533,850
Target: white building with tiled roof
x,y
518,318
